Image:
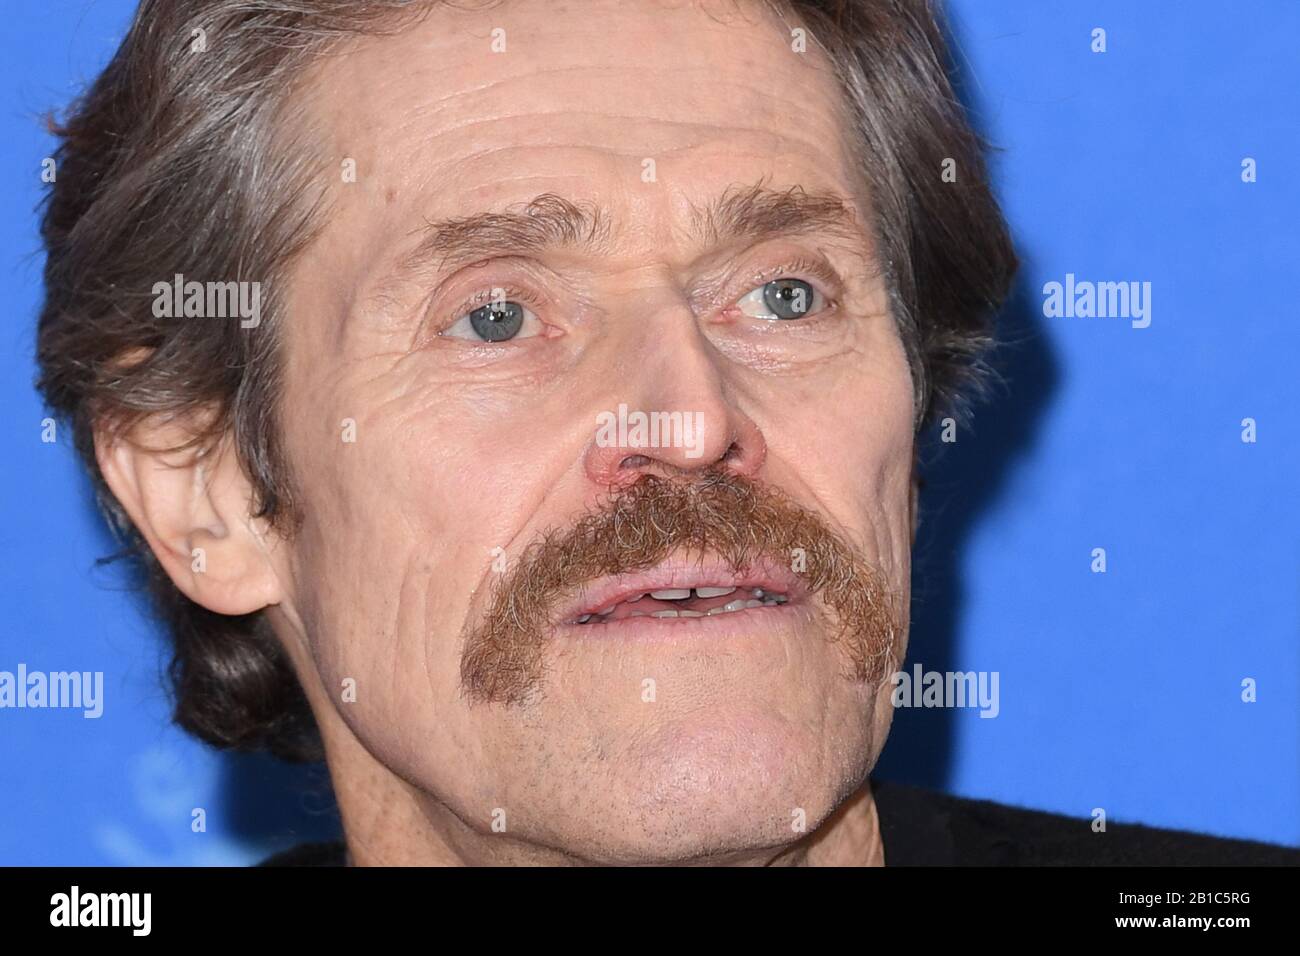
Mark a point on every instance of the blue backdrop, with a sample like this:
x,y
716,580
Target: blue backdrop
x,y
1120,690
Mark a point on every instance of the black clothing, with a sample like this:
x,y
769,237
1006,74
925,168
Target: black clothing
x,y
925,828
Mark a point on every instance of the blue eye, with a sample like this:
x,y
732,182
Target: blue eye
x,y
782,299
497,321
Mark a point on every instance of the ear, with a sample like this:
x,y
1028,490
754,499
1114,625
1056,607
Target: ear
x,y
193,509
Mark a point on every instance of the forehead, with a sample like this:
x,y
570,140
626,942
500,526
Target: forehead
x,y
471,109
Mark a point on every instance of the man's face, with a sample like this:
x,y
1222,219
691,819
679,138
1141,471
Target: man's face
x,y
445,386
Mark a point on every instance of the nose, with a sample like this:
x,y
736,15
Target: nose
x,y
674,417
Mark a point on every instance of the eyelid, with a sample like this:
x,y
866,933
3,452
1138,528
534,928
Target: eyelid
x,y
798,268
817,267
484,295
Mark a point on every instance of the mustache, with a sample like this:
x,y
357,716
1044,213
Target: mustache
x,y
719,512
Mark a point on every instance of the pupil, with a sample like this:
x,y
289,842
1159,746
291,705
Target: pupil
x,y
496,324
788,298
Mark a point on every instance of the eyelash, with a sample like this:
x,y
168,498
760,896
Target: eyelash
x,y
795,269
482,297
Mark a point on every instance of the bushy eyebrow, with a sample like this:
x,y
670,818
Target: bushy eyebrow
x,y
751,213
547,222
758,212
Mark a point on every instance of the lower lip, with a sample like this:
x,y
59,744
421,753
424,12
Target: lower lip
x,y
733,623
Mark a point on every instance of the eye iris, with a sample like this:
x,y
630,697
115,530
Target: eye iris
x,y
497,322
788,298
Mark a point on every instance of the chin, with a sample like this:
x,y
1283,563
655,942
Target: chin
x,y
723,785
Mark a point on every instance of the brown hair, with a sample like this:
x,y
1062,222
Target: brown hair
x,y
181,160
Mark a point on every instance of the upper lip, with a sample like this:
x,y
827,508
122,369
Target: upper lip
x,y
681,573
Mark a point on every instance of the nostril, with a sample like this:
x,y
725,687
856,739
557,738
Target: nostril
x,y
634,461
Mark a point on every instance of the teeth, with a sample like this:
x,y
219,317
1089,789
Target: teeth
x,y
712,592
761,598
733,606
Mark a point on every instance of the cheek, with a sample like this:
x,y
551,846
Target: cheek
x,y
393,546
845,440
885,462
371,535
413,509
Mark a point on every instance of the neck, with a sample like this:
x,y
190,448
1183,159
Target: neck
x,y
849,837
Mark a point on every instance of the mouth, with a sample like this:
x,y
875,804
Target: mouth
x,y
678,591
